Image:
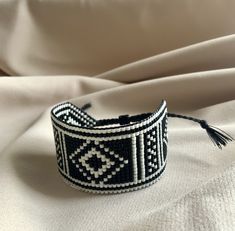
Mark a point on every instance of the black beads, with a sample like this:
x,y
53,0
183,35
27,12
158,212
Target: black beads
x,y
109,159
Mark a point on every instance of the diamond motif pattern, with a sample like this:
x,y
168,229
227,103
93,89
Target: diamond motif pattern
x,y
86,156
104,167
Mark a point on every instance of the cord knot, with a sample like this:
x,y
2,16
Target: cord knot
x,y
204,124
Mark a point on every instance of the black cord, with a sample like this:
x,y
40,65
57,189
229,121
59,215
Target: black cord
x,y
219,137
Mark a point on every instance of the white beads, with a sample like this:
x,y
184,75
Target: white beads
x,y
111,186
109,191
92,144
134,159
100,130
90,133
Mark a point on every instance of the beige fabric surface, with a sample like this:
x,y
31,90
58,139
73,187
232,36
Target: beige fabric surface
x,y
87,37
196,76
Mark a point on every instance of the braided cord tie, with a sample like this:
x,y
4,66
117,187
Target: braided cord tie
x,y
219,137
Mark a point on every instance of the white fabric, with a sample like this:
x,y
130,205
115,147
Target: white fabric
x,y
86,37
196,77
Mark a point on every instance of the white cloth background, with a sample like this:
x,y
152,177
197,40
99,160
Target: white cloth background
x,y
123,57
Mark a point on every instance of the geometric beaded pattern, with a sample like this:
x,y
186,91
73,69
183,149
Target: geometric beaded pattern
x,y
152,161
165,137
109,159
60,160
96,162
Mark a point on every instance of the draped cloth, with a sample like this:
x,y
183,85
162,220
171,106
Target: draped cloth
x,y
123,58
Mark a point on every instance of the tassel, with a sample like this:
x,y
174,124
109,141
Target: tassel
x,y
219,137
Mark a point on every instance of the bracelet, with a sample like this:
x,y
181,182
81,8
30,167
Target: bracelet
x,y
101,157
119,154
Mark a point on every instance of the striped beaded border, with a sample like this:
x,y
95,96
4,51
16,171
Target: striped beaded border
x,y
117,191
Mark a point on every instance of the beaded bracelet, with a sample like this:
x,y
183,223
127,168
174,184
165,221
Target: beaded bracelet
x,y
115,155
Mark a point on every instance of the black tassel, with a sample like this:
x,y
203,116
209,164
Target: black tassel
x,y
219,137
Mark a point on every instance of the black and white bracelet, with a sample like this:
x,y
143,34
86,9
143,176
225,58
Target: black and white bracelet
x,y
115,155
